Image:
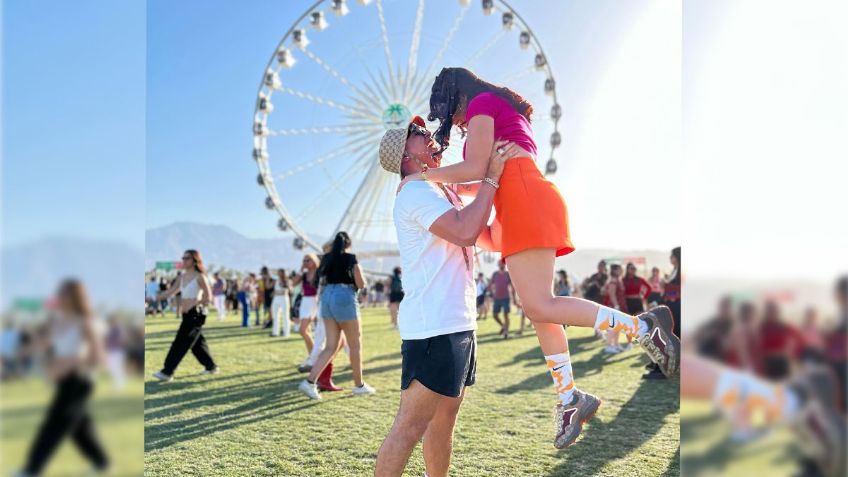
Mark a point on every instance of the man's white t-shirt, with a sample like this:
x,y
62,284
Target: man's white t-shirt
x,y
438,287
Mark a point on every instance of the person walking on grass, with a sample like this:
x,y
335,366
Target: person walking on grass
x,y
613,297
502,290
342,278
196,295
531,230
74,348
480,284
219,295
437,317
281,305
395,295
244,300
308,309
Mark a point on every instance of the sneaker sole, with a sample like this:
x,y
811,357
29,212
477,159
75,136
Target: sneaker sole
x,y
670,366
588,418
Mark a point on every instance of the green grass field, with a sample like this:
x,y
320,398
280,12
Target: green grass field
x,y
117,415
250,419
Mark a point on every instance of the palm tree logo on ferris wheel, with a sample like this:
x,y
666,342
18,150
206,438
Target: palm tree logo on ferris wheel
x,y
396,116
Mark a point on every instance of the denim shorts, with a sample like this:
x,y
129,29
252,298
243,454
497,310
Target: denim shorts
x,y
338,302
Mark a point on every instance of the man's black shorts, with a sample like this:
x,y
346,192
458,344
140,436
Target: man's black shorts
x,y
444,364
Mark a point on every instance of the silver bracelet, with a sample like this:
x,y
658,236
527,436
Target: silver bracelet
x,y
491,182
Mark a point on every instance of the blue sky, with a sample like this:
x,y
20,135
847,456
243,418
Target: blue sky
x,y
205,60
73,120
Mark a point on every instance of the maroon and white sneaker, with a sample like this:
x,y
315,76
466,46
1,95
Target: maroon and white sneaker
x,y
819,426
660,342
571,417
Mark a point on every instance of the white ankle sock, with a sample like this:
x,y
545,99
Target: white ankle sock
x,y
560,367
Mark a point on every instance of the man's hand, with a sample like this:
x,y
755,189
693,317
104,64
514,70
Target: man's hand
x,y
501,152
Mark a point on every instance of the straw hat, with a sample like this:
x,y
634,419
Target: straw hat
x,y
393,144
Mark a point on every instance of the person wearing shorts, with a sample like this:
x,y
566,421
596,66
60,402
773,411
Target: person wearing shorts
x,y
437,318
501,290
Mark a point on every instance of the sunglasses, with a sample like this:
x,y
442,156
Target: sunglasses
x,y
187,257
417,130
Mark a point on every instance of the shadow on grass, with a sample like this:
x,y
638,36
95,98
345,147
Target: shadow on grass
x,y
260,399
638,420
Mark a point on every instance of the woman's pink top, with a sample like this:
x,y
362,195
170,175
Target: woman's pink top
x,y
510,125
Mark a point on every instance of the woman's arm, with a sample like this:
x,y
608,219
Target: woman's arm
x,y
481,137
171,291
95,343
207,290
358,278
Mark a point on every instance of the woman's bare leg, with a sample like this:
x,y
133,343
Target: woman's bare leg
x,y
304,332
353,335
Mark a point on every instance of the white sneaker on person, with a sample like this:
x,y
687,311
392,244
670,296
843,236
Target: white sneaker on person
x,y
363,390
310,389
162,376
214,370
612,350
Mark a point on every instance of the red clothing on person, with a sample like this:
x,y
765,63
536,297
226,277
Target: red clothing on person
x,y
619,294
777,338
636,287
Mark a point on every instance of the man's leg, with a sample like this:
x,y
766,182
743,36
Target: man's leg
x,y
417,407
438,439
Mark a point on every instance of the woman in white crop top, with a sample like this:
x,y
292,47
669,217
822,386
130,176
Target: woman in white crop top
x,y
75,348
196,294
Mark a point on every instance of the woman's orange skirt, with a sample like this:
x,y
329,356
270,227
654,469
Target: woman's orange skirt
x,y
531,211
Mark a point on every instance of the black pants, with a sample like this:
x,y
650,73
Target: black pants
x,y
189,336
634,306
67,414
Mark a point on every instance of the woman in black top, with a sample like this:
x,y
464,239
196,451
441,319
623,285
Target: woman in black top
x,y
342,276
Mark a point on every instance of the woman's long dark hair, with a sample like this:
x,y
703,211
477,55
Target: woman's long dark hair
x,y
340,244
452,85
75,296
198,260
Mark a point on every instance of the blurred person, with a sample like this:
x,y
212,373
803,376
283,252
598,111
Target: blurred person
x,y
219,295
807,403
613,297
437,318
267,294
281,305
232,295
379,293
562,285
163,304
244,300
150,292
745,346
594,284
777,341
115,353
395,295
253,296
711,338
657,288
811,334
196,295
178,309
502,290
340,314
836,340
636,290
530,230
671,290
481,286
308,309
10,346
75,349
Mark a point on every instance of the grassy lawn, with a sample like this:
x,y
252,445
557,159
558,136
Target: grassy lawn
x,y
117,415
708,450
251,420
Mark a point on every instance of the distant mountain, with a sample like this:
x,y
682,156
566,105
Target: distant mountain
x,y
222,246
109,269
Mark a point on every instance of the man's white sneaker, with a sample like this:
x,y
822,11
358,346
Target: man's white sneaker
x,y
363,390
310,389
162,376
612,350
214,370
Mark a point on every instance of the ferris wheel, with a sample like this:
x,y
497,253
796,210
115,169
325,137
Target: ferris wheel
x,y
343,74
